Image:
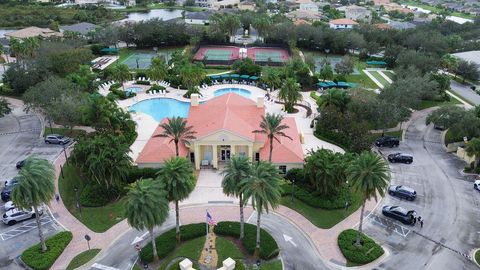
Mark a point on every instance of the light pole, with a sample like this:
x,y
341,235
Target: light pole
x,y
293,187
78,201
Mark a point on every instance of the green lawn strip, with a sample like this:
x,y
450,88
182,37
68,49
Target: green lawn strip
x,y
98,219
477,256
322,218
74,133
225,249
379,78
38,260
190,249
396,134
272,265
432,103
216,70
451,137
136,267
82,258
389,74
361,80
437,10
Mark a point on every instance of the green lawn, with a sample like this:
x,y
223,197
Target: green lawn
x,y
477,256
272,265
324,219
361,80
389,74
432,103
74,133
216,70
380,78
226,248
436,10
82,258
191,249
450,137
98,219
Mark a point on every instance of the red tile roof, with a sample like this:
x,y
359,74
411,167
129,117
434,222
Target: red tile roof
x,y
285,151
344,21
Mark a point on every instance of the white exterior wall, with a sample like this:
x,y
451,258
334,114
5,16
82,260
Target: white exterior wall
x,y
341,26
196,21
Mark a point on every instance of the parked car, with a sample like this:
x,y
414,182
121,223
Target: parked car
x,y
56,139
16,215
6,192
476,185
399,213
387,141
9,205
20,164
401,158
402,192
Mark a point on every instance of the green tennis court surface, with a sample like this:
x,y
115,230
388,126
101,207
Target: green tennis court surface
x,y
143,60
264,56
212,54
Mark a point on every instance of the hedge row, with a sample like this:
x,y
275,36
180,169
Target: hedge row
x,y
167,242
37,260
366,253
268,246
337,201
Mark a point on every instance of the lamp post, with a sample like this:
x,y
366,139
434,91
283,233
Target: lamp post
x,y
293,187
78,201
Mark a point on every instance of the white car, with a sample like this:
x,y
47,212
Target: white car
x,y
9,205
476,185
15,215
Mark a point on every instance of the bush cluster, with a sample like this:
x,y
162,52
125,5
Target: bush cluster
x,y
37,260
337,138
166,242
157,87
336,201
136,173
366,253
142,82
96,195
268,246
297,175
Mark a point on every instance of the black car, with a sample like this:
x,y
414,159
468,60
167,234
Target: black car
x,y
6,192
401,158
403,192
399,213
387,141
20,164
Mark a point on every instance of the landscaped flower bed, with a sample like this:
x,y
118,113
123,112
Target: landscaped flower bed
x,y
366,253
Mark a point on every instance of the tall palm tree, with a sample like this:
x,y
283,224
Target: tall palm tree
x,y
177,130
272,126
336,98
368,174
177,176
236,170
158,69
263,188
271,77
473,149
35,187
146,206
121,73
290,94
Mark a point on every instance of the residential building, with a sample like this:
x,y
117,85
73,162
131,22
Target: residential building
x,y
401,25
247,5
200,18
224,128
342,23
379,3
357,13
308,5
306,15
83,28
33,31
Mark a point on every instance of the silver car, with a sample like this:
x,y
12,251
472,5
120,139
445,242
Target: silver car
x,y
56,139
9,205
15,215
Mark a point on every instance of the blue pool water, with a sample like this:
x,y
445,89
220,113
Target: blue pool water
x,y
160,108
239,91
134,89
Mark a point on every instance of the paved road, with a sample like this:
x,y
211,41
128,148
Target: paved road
x,y
20,137
446,201
465,92
296,253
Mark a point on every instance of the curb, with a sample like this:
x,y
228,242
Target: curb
x,y
472,255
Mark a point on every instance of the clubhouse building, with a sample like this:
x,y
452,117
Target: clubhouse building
x,y
224,127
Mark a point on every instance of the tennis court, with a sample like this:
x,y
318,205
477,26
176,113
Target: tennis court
x,y
217,53
333,60
143,60
268,55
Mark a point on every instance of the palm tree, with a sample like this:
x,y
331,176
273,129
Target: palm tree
x,y
336,98
121,73
35,187
473,149
146,206
236,170
272,126
177,176
158,69
368,174
263,188
177,130
290,94
271,77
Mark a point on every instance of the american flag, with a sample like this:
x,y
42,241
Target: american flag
x,y
210,220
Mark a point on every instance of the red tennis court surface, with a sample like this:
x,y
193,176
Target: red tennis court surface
x,y
217,53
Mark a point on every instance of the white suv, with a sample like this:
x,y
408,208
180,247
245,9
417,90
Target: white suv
x,y
9,206
476,185
15,215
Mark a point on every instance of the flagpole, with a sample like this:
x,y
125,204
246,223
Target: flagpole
x,y
206,221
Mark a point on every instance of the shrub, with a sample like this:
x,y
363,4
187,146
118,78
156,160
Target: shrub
x,y
368,252
37,260
239,265
335,201
115,86
140,74
96,195
297,175
136,173
268,246
157,87
120,94
166,242
143,82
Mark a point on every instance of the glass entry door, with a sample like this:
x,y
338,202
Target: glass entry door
x,y
225,154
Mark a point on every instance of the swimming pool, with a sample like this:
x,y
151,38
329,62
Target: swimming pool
x,y
134,89
160,108
239,91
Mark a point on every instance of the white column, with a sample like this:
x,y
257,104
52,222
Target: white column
x,y
250,152
232,150
214,156
197,156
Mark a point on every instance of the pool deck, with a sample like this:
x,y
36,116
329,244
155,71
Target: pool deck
x,y
146,125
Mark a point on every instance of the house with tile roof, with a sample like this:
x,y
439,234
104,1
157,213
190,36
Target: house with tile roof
x,y
33,31
224,128
342,23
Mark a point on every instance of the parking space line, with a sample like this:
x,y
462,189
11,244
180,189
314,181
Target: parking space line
x,y
24,228
387,224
